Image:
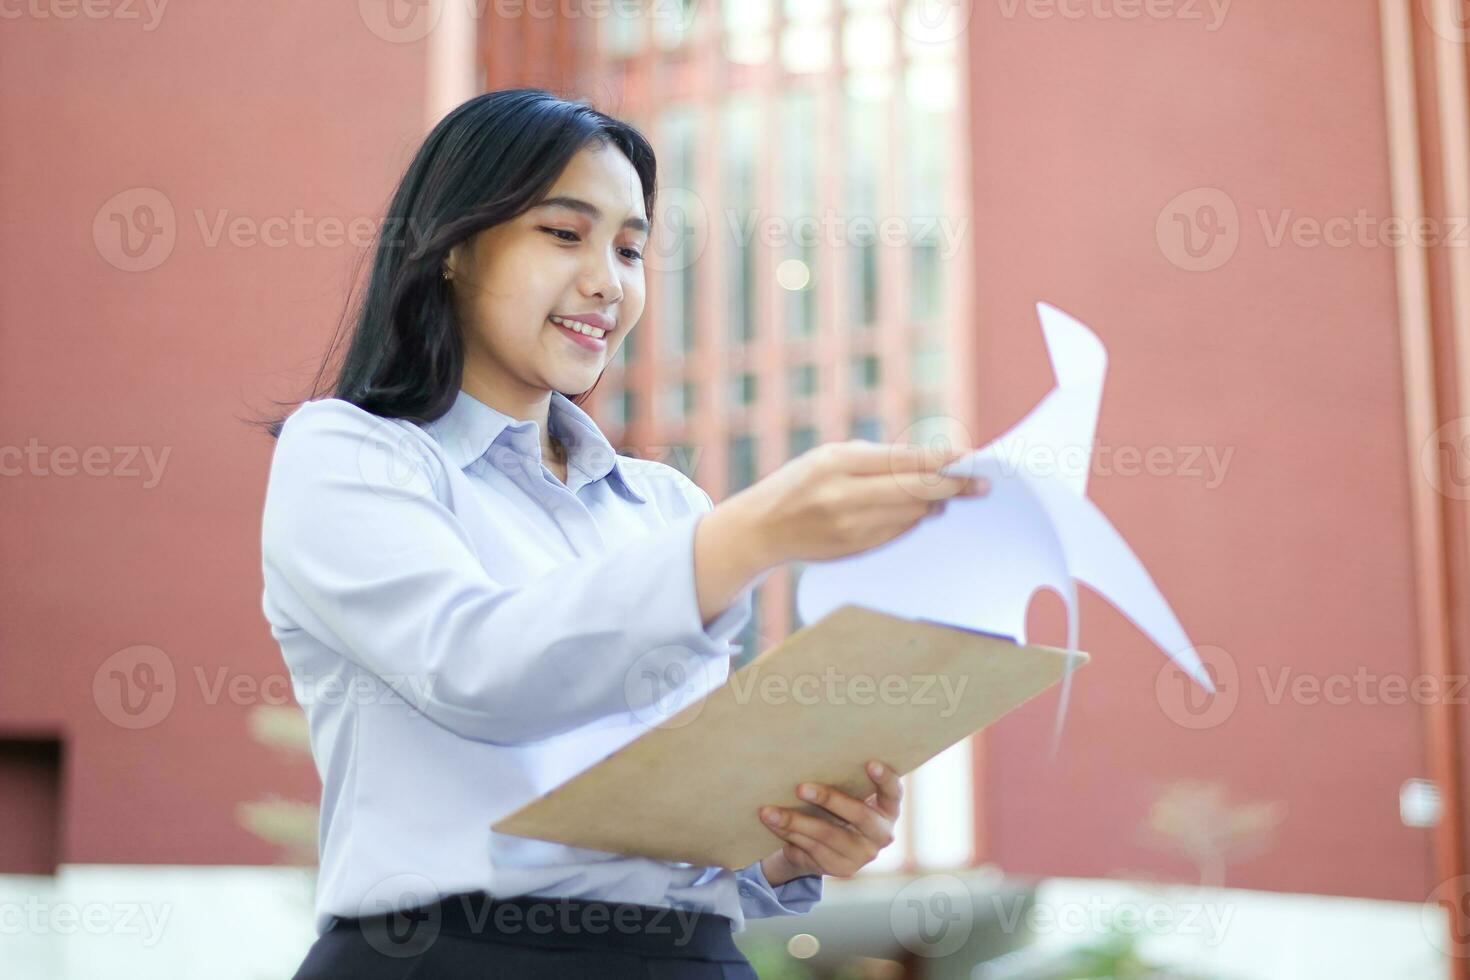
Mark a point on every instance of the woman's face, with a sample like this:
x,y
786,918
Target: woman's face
x,y
577,254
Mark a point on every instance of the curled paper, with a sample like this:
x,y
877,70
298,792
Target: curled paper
x,y
1035,529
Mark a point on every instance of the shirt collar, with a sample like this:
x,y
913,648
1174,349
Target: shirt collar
x,y
471,427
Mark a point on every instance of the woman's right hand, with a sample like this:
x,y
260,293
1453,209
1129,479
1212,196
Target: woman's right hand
x,y
842,498
838,499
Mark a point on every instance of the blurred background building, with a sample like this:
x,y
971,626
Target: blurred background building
x,y
1260,208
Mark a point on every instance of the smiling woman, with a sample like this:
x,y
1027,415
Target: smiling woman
x,y
547,297
453,540
411,520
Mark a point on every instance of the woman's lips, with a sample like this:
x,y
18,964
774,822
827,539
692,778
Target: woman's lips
x,y
591,343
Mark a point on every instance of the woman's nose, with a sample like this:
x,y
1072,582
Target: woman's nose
x,y
602,281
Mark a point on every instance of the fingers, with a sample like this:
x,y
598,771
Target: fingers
x,y
890,788
838,850
841,864
871,458
905,487
873,825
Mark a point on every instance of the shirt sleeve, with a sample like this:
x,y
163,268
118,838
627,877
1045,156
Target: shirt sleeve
x,y
759,899
358,550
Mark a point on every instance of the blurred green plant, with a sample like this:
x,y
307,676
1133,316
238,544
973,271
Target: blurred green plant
x,y
1196,820
291,825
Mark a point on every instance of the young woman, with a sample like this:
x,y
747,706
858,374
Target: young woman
x,y
470,587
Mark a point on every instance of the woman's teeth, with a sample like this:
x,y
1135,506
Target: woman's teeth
x,y
578,326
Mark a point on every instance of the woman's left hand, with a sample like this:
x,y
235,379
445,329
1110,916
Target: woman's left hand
x,y
817,846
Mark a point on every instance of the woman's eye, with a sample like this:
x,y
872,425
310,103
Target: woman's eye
x,y
571,236
634,254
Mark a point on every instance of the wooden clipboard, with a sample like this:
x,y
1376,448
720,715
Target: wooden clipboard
x,y
689,789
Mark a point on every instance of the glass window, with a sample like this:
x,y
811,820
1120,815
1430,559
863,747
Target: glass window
x,y
741,147
749,637
677,282
742,462
747,26
865,372
800,439
622,33
674,21
682,457
629,405
799,205
926,154
743,389
796,568
678,400
868,427
806,39
611,402
864,123
926,369
803,380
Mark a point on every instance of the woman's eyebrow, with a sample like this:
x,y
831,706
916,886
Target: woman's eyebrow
x,y
590,210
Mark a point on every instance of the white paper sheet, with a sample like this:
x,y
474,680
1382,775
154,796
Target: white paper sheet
x,y
1035,529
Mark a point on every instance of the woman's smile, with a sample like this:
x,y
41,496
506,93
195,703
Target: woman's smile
x,y
580,333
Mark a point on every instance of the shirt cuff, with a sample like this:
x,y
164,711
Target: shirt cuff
x,y
759,899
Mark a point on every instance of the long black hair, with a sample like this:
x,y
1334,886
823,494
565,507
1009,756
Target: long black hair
x,y
489,160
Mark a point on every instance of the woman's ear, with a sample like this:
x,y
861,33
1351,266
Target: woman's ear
x,y
452,260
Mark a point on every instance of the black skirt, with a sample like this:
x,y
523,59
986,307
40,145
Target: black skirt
x,y
531,937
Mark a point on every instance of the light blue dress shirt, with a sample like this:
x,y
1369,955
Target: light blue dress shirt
x,y
465,632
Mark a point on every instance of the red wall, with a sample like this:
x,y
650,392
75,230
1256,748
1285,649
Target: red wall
x,y
1084,131
259,111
